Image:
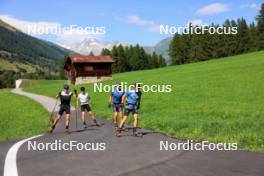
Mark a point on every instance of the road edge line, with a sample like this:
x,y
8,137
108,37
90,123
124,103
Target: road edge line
x,y
10,166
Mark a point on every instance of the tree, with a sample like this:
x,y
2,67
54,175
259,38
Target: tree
x,y
134,60
115,59
130,58
192,47
243,36
122,59
162,62
106,52
143,58
178,49
91,53
260,28
61,69
253,33
155,60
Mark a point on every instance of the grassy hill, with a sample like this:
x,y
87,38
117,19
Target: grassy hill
x,y
6,65
219,100
18,47
20,116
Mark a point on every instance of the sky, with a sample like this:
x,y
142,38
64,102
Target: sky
x,y
127,21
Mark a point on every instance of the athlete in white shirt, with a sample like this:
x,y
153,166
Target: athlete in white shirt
x,y
85,102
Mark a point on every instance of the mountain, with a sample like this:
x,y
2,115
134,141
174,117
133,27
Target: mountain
x,y
160,48
148,49
94,45
90,44
18,47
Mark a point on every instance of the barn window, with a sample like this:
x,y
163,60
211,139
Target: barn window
x,y
88,68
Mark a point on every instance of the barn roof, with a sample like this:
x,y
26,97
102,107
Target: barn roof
x,y
91,59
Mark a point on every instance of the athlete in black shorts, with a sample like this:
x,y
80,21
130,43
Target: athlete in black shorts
x,y
115,101
133,98
65,98
85,102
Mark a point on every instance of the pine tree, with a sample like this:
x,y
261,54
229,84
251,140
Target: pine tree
x,y
176,50
162,62
122,59
243,36
155,60
260,28
253,42
115,59
195,48
106,52
143,58
130,58
91,53
233,40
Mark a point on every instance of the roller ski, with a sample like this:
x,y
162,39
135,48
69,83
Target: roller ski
x,y
136,133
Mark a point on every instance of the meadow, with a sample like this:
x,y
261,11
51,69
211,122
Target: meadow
x,y
20,116
220,100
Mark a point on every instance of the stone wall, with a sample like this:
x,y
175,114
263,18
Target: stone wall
x,y
91,79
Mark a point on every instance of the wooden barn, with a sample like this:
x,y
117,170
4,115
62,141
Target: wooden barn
x,y
88,69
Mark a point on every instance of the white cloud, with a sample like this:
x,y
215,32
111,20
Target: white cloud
x,y
133,19
136,20
196,22
69,37
214,8
25,26
251,6
63,36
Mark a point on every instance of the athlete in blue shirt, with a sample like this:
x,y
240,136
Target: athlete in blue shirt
x,y
132,98
115,101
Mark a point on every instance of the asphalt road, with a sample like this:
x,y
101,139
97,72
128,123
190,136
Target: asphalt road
x,y
127,155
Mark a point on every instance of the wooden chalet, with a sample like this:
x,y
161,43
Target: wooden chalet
x,y
88,69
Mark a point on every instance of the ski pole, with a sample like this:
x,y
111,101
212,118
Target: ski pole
x,y
50,119
76,104
76,115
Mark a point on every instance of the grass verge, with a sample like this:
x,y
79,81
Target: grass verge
x,y
20,116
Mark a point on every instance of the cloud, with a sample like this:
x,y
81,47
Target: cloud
x,y
251,6
26,26
136,20
63,34
196,22
133,19
70,37
214,8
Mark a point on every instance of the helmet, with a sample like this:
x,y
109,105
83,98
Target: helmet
x,y
66,86
118,85
137,86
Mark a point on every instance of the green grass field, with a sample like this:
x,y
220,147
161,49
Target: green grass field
x,y
20,116
219,100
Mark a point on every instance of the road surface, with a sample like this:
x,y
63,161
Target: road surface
x,y
128,155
